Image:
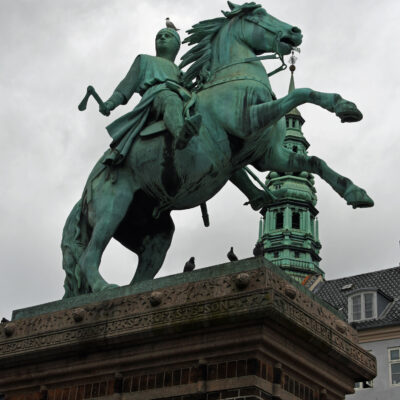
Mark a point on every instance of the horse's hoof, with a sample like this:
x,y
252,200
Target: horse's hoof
x,y
101,286
358,198
262,200
348,111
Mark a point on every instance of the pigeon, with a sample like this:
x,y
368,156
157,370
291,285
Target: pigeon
x,y
170,24
231,255
4,320
190,265
258,250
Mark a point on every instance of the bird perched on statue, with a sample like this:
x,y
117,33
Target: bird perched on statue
x,y
231,255
4,320
170,24
258,250
190,265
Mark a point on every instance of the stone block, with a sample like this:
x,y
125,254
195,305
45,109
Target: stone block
x,y
207,339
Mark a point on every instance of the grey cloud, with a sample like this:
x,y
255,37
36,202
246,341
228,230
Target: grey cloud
x,y
51,50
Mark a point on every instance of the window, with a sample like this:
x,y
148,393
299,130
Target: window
x,y
369,305
362,306
296,220
363,385
279,220
394,366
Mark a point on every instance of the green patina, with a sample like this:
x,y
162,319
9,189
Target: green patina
x,y
188,137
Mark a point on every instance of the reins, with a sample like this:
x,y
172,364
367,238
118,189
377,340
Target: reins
x,y
276,56
238,78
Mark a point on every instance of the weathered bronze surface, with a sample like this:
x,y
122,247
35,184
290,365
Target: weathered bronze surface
x,y
219,117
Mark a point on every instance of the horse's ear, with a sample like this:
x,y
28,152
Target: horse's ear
x,y
232,6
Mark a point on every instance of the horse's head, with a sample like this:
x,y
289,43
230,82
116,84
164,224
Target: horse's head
x,y
262,32
245,30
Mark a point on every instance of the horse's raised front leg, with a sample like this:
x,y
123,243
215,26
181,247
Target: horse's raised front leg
x,y
284,160
266,114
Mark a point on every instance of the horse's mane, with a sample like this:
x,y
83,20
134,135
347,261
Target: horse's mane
x,y
202,35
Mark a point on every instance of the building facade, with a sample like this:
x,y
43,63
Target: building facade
x,y
371,303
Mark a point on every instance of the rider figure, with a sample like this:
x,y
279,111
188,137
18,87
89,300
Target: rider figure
x,y
158,80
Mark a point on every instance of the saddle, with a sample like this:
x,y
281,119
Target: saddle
x,y
154,128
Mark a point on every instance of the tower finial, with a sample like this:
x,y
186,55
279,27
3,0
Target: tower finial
x,y
292,61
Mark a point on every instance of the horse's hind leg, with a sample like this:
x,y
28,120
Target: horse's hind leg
x,y
257,198
106,210
153,246
284,160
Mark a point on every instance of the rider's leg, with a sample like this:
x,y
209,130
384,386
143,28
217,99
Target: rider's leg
x,y
169,104
169,107
173,113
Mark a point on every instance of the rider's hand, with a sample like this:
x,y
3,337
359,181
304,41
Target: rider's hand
x,y
107,107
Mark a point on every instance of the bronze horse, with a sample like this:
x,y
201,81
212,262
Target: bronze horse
x,y
242,124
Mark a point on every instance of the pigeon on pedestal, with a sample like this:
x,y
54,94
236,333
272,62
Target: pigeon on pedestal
x,y
190,265
258,250
231,255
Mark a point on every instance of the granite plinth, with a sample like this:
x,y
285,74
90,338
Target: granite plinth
x,y
240,329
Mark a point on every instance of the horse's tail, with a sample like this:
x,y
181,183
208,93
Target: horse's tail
x,y
74,242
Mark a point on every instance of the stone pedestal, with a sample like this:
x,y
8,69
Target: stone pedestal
x,y
240,330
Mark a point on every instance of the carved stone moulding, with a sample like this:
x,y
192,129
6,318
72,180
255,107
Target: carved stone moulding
x,y
202,333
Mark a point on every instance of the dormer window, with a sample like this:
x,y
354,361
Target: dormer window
x,y
362,306
366,303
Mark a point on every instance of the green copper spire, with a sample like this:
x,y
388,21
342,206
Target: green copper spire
x,y
292,68
289,230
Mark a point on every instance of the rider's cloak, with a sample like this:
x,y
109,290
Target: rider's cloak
x,y
147,76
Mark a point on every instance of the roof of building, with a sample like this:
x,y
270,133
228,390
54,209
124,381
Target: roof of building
x,y
387,281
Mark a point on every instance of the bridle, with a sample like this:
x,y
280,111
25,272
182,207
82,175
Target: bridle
x,y
276,56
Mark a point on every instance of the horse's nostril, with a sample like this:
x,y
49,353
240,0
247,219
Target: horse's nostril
x,y
295,29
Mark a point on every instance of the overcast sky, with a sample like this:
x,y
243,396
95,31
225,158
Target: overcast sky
x,y
52,49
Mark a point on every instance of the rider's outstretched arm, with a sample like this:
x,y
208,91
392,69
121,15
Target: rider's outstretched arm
x,y
127,87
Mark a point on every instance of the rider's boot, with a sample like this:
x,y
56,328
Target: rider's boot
x,y
190,128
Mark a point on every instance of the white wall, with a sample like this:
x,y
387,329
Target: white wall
x,y
382,388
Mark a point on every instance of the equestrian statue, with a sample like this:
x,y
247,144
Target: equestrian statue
x,y
191,132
